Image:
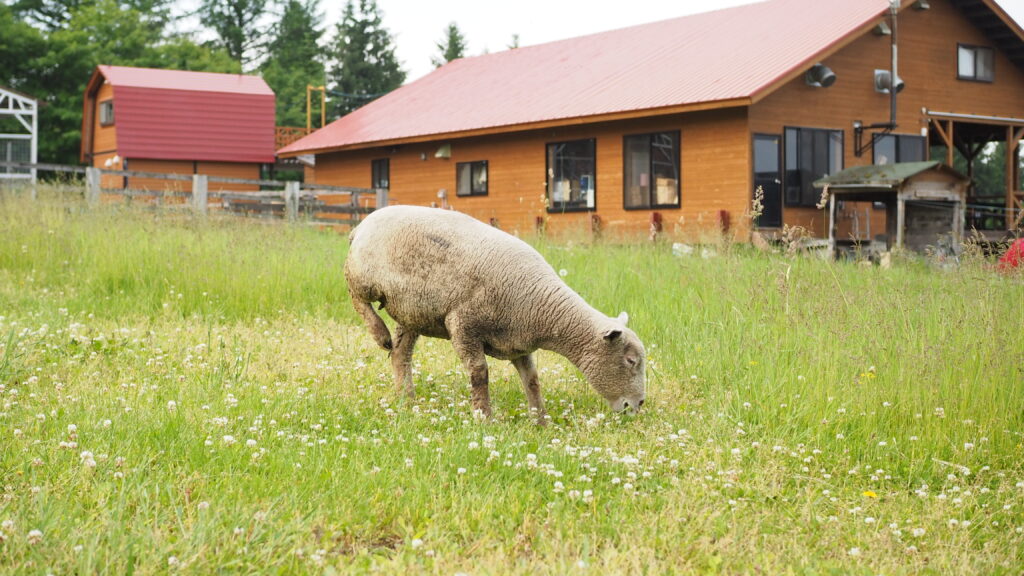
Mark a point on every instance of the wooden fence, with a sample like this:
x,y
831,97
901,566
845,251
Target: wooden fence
x,y
283,200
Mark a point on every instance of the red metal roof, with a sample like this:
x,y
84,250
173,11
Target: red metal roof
x,y
725,56
182,115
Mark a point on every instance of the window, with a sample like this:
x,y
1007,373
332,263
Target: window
x,y
892,148
471,178
651,171
975,63
571,169
380,173
106,113
810,154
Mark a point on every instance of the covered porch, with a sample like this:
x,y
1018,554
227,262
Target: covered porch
x,y
992,210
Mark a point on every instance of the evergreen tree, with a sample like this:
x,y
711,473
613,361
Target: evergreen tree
x,y
452,47
365,63
238,24
294,61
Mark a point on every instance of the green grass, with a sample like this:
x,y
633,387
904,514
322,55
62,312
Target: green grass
x,y
196,396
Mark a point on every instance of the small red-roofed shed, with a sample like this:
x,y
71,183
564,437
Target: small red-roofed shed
x,y
177,122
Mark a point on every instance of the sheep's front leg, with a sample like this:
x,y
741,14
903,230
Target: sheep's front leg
x,y
401,359
531,385
377,328
471,352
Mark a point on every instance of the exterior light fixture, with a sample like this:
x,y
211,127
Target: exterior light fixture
x,y
445,151
820,76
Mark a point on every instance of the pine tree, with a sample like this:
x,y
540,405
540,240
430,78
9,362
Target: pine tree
x,y
365,63
237,24
452,47
294,60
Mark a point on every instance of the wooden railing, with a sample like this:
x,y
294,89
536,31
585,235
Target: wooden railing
x,y
285,135
284,200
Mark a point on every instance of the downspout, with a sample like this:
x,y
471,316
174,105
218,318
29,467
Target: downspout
x,y
894,8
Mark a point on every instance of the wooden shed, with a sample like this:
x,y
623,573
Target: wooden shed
x,y
677,123
924,202
176,122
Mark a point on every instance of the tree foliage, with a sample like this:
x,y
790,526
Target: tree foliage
x,y
293,60
452,47
365,64
238,24
54,64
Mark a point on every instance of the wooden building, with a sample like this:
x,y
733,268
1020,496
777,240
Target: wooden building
x,y
677,123
176,122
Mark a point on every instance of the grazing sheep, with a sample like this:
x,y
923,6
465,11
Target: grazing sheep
x,y
444,274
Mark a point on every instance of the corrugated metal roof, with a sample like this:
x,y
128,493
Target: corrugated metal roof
x,y
721,56
181,115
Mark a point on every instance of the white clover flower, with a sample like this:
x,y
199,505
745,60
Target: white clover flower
x,y
171,407
229,440
416,543
203,505
853,551
461,471
35,536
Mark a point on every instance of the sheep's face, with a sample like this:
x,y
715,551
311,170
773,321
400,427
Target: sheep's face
x,y
618,371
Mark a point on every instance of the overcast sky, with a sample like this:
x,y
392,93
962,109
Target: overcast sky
x,y
418,25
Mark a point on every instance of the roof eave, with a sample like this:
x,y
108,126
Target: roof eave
x,y
524,127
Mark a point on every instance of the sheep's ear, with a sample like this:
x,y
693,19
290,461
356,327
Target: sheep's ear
x,y
612,335
624,318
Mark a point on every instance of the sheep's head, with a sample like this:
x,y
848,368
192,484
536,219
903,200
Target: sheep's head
x,y
617,368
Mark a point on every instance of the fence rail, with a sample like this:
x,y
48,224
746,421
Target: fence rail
x,y
292,201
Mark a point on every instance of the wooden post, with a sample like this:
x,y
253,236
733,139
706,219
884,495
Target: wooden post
x,y
382,197
291,200
200,193
92,186
832,226
901,219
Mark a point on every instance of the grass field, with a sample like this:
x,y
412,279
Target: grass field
x,y
189,396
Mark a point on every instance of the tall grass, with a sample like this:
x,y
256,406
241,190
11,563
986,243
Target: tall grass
x,y
183,394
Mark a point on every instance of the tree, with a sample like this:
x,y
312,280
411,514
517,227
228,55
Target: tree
x,y
238,24
365,63
20,44
293,60
452,47
54,67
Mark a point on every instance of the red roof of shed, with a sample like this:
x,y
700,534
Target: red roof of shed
x,y
726,57
183,115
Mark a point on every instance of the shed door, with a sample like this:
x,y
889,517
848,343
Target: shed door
x,y
768,175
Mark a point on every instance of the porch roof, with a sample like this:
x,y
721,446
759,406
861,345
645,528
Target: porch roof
x,y
883,177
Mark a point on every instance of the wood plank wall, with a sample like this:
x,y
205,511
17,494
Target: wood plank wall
x,y
714,166
927,64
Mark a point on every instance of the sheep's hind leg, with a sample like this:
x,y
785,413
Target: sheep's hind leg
x,y
531,385
401,360
377,328
471,352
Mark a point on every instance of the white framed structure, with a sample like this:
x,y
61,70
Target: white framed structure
x,y
21,146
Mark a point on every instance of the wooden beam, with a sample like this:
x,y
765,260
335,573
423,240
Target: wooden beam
x,y
947,138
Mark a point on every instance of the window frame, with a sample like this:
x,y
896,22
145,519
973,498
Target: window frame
x,y
566,207
379,167
107,104
975,51
898,147
652,189
813,202
473,167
